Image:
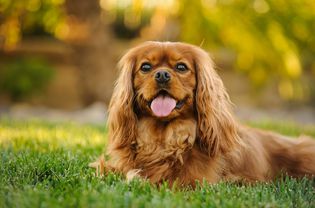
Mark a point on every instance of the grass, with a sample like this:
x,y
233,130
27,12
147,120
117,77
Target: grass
x,y
45,165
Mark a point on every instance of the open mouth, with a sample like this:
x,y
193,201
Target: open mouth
x,y
163,104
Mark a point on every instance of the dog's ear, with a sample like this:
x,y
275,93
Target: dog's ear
x,y
122,120
217,130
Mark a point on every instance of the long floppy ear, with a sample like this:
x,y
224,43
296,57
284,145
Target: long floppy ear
x,y
122,120
217,130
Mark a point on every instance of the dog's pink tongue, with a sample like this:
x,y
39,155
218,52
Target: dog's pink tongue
x,y
163,105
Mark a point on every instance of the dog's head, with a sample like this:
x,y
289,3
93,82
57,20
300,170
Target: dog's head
x,y
169,80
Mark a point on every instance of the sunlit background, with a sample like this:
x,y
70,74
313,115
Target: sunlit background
x,y
58,57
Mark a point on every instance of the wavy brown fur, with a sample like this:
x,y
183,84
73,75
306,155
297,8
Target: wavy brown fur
x,y
201,140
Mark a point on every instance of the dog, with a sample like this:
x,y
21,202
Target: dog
x,y
170,119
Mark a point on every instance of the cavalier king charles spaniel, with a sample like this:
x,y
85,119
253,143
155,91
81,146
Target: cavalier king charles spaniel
x,y
170,119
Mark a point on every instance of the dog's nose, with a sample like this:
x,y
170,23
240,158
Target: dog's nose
x,y
162,77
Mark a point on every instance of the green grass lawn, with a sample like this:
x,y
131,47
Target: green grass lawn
x,y
46,165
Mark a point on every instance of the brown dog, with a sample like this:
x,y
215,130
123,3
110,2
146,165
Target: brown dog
x,y
170,119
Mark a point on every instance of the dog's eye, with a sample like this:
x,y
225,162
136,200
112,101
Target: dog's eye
x,y
181,67
146,67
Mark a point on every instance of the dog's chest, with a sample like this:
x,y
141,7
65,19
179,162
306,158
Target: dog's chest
x,y
158,142
150,139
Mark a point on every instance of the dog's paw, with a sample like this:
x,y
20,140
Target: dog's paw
x,y
133,174
99,166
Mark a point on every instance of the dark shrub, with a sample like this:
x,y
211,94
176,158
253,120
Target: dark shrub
x,y
24,77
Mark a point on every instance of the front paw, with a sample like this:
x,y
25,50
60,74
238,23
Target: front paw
x,y
133,174
99,166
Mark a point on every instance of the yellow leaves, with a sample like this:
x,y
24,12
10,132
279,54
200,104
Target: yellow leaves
x,y
299,30
10,32
33,5
258,75
292,64
245,61
132,19
62,30
261,6
293,90
72,29
210,4
57,2
4,5
20,16
287,50
276,36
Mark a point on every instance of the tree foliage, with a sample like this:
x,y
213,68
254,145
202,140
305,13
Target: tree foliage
x,y
18,17
271,40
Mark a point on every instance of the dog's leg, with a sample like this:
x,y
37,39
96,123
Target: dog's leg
x,y
302,157
295,157
133,174
99,166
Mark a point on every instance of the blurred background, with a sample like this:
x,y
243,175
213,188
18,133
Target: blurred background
x,y
58,57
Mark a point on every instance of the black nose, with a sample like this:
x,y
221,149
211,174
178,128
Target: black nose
x,y
162,77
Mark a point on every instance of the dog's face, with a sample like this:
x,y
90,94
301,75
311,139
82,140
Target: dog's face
x,y
164,80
